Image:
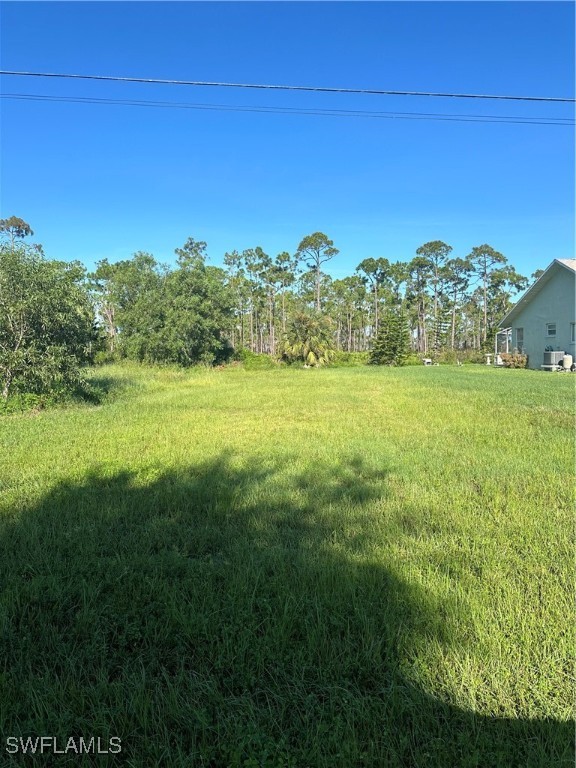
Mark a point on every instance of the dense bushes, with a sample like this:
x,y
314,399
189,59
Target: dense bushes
x,y
514,360
455,356
342,359
47,330
154,314
253,361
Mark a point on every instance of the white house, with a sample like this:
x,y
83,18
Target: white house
x,y
543,320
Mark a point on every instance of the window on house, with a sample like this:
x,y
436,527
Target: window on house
x,y
550,329
520,339
572,332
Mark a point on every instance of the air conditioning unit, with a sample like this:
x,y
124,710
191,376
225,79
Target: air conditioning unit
x,y
553,358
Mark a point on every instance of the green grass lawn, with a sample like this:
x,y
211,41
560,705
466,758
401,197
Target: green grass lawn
x,y
305,568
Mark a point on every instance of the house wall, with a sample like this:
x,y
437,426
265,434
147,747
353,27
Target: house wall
x,y
555,303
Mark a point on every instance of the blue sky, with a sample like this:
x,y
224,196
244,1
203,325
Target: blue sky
x,y
98,181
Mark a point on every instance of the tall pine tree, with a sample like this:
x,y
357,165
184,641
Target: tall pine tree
x,y
392,343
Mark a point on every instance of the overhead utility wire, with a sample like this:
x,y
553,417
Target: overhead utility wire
x,y
296,111
282,87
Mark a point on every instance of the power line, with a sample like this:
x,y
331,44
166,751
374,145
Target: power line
x,y
314,89
297,111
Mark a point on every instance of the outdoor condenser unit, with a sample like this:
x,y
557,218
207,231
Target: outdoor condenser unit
x,y
553,358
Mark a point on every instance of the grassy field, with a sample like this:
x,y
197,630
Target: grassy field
x,y
293,568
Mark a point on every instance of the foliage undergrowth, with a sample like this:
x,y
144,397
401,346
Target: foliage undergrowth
x,y
338,567
341,359
514,360
253,361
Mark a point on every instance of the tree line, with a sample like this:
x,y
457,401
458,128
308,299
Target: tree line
x,y
56,317
449,302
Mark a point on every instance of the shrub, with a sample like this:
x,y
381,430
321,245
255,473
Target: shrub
x,y
454,356
514,360
343,359
448,356
104,357
254,361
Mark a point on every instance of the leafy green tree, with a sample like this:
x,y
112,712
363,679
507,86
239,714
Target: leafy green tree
x,y
436,254
343,309
502,285
181,316
398,274
306,290
47,330
239,287
377,272
286,266
484,260
253,260
126,294
102,289
15,228
199,310
308,340
272,276
418,300
316,249
349,307
456,274
392,343
441,328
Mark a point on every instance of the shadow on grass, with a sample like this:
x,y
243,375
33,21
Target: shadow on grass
x,y
100,388
218,616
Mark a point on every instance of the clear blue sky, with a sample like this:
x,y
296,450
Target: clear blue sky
x,y
99,181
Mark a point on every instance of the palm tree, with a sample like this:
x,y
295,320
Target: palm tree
x,y
308,340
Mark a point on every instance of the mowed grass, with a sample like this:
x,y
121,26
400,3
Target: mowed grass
x,y
338,567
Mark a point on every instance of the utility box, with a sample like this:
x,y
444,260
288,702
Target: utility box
x,y
553,358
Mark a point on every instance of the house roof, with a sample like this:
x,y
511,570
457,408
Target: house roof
x,y
570,263
535,288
